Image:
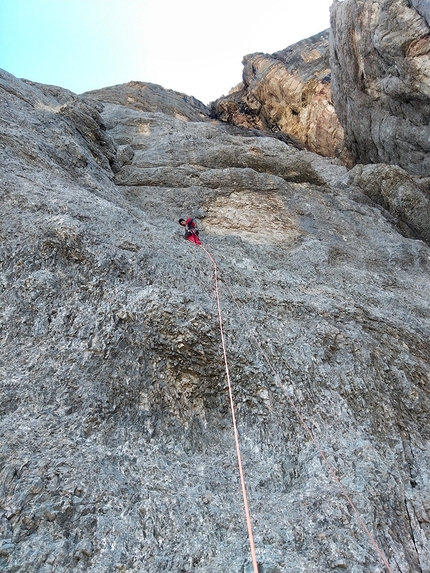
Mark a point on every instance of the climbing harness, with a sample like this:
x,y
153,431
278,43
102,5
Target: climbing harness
x,y
298,414
191,231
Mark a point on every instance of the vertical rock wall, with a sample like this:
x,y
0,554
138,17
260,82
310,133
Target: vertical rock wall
x,y
380,63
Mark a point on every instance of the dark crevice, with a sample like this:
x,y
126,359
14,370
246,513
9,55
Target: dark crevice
x,y
412,536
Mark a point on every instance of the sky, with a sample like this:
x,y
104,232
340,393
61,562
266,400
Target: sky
x,y
191,46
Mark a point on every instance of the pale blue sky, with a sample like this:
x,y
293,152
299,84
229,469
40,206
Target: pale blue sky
x,y
192,46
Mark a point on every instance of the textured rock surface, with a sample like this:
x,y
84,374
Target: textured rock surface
x,y
288,92
117,451
143,96
404,196
380,62
423,8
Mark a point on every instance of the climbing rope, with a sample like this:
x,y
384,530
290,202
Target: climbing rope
x,y
314,441
236,434
299,416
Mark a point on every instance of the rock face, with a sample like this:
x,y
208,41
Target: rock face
x,y
380,62
144,96
117,451
288,92
423,8
404,196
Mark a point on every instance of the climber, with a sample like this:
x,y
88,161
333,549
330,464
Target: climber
x,y
191,231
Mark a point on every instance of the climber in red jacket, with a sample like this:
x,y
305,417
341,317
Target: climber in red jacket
x,y
191,231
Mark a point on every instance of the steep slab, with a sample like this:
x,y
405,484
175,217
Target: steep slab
x,y
116,446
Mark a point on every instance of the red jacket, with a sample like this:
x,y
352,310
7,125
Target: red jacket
x,y
191,232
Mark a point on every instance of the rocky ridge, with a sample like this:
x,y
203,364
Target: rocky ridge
x,y
383,110
358,91
117,451
288,92
144,96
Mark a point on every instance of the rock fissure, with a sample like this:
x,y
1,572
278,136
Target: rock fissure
x,y
412,537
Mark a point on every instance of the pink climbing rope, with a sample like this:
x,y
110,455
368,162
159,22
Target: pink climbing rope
x,y
236,434
299,416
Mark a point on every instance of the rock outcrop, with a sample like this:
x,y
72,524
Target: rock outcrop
x,y
404,196
144,96
380,63
117,451
288,92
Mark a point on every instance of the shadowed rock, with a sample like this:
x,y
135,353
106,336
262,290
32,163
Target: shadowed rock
x,y
380,62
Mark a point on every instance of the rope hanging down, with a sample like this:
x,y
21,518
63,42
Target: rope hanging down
x,y
299,416
236,435
314,441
